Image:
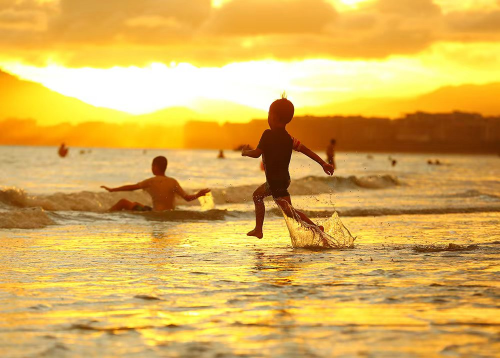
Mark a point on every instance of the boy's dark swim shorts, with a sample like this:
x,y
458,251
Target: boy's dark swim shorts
x,y
278,189
139,207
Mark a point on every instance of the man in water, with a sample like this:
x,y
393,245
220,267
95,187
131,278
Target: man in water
x,y
161,188
330,153
276,147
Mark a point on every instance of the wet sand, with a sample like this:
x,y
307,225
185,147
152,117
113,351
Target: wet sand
x,y
202,289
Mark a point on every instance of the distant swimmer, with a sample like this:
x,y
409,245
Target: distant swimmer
x,y
436,162
221,155
330,153
161,188
63,150
276,147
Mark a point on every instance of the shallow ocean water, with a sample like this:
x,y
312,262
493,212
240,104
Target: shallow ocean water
x,y
202,289
76,281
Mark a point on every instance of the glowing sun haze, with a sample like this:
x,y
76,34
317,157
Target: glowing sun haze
x,y
142,56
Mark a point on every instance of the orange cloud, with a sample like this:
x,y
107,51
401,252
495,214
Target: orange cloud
x,y
127,32
475,22
410,8
118,21
263,17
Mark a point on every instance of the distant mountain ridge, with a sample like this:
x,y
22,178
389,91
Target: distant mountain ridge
x,y
24,99
482,99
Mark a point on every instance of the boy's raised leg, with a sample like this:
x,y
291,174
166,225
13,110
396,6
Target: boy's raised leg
x,y
260,210
285,204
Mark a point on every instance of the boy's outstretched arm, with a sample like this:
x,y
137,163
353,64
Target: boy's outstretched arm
x,y
252,153
328,168
189,197
123,188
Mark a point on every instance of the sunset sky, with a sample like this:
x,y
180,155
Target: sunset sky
x,y
140,56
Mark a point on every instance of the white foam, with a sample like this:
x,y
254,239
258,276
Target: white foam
x,y
30,218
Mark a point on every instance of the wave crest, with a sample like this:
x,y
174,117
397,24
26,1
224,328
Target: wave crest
x,y
31,218
310,185
101,201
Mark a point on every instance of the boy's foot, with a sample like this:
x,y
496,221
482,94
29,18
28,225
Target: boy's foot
x,y
255,233
321,228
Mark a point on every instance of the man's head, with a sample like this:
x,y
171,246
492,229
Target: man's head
x,y
280,112
159,165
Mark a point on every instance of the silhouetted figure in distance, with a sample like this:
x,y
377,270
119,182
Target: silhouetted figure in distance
x,y
330,153
63,150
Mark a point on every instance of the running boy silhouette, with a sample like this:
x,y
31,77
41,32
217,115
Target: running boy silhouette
x,y
276,147
161,188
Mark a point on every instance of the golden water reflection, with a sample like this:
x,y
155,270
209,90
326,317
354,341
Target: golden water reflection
x,y
191,289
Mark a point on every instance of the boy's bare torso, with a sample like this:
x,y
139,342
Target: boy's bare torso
x,y
162,190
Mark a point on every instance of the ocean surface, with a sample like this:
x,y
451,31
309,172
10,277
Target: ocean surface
x,y
422,278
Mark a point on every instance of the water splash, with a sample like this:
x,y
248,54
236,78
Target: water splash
x,y
304,235
207,202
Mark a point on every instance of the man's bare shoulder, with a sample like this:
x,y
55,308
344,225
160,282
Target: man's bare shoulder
x,y
162,180
145,183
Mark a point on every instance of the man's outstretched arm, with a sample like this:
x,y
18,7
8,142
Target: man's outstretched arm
x,y
328,168
123,188
189,197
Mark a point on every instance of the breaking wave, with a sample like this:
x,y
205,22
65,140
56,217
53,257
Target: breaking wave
x,y
361,212
474,194
311,185
101,201
441,248
31,218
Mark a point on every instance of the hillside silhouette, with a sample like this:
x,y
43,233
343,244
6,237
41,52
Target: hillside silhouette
x,y
33,114
465,98
25,99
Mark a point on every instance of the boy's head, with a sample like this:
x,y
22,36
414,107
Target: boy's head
x,y
280,112
159,165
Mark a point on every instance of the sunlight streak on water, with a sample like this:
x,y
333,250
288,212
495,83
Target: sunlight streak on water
x,y
204,288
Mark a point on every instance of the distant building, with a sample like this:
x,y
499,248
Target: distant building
x,y
455,132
